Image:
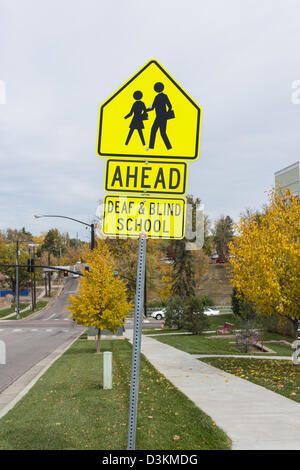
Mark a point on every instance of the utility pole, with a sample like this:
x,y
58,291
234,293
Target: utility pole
x,y
17,283
49,276
34,281
92,236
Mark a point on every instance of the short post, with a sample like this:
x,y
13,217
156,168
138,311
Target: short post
x,y
107,369
2,352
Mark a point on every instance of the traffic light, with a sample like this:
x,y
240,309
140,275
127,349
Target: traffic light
x,y
66,273
30,265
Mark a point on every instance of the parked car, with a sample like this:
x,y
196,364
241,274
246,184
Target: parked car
x,y
211,311
158,314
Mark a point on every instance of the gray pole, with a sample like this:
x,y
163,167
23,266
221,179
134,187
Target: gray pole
x,y
92,236
34,280
136,349
17,283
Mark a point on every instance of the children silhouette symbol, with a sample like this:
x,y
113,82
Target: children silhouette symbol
x,y
139,113
160,104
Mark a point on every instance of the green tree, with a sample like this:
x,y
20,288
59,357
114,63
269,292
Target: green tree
x,y
183,274
54,242
174,313
241,307
223,234
194,319
12,235
8,256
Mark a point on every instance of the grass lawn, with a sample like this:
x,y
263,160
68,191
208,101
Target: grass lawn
x,y
8,311
39,305
68,408
280,376
203,344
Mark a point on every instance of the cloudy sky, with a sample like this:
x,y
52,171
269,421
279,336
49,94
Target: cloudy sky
x,y
60,59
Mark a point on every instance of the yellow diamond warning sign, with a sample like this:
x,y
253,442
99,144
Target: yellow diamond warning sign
x,y
150,116
137,176
129,216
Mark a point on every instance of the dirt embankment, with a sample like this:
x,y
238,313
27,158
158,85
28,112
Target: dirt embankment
x,y
216,283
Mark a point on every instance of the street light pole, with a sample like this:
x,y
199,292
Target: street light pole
x,y
92,226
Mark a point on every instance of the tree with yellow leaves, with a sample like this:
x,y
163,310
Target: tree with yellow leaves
x,y
265,258
102,300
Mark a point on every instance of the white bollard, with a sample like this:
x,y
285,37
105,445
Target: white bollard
x,y
107,369
2,353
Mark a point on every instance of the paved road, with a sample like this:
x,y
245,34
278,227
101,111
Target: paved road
x,y
147,323
30,340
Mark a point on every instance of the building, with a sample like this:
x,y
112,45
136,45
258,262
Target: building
x,y
288,178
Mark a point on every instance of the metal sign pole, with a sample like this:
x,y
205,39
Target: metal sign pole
x,y
137,334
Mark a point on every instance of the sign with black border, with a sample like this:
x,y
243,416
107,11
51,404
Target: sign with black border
x,y
143,176
150,116
156,217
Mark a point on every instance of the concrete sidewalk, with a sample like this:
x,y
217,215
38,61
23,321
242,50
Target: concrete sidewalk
x,y
252,416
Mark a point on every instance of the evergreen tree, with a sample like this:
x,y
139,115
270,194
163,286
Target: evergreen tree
x,y
223,235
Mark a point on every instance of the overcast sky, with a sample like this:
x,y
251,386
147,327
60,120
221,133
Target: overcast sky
x,y
60,59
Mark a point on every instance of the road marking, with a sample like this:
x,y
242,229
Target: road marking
x,y
34,329
17,329
53,315
49,330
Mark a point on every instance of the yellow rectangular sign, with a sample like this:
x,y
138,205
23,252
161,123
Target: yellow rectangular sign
x,y
129,216
136,176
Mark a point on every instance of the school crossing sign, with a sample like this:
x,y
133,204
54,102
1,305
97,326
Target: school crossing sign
x,y
150,116
150,128
128,216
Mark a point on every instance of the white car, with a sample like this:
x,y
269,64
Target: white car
x,y
158,314
211,311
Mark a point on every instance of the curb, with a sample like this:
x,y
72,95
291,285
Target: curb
x,y
21,386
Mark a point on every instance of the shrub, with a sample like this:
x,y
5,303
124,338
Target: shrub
x,y
206,300
194,319
174,313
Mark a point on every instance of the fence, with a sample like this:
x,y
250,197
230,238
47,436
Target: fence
x,y
22,292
